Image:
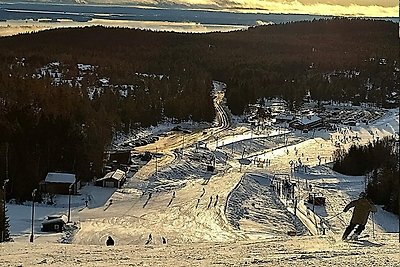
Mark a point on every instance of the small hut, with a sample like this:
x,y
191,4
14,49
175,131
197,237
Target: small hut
x,y
59,183
54,223
112,179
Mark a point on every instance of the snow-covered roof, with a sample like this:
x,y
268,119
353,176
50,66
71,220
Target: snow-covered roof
x,y
55,219
84,67
58,177
116,175
284,117
309,119
104,81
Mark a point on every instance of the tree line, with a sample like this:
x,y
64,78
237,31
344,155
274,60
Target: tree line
x,y
379,161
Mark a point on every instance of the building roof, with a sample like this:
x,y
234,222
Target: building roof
x,y
58,177
286,117
116,175
55,219
309,119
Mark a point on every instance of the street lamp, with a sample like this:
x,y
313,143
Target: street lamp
x,y
156,156
69,202
33,212
4,203
251,136
183,143
4,191
233,137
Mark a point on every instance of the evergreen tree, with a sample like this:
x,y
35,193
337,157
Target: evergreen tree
x,y
4,221
379,161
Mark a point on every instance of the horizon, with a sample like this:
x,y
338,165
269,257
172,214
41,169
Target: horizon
x,y
350,8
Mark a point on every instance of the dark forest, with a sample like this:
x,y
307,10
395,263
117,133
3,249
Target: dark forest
x,y
379,161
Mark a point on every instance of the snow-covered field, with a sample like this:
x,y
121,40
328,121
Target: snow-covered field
x,y
228,217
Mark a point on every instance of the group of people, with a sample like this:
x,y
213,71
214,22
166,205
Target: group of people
x,y
110,241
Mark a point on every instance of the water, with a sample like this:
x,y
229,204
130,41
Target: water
x,y
86,13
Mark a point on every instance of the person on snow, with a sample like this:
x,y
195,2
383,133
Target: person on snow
x,y
362,208
149,239
110,241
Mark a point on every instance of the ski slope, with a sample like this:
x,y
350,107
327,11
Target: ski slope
x,y
228,216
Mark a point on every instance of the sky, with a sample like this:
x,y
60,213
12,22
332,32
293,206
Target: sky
x,y
370,8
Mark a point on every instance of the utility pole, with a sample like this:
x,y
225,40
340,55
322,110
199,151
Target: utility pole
x,y
33,213
7,161
69,202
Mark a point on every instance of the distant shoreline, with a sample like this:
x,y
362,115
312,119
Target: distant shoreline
x,y
14,27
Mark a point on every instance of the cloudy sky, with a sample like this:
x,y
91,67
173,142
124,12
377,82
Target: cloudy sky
x,y
375,8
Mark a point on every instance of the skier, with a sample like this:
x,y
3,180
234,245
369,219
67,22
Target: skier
x,y
362,208
110,241
216,201
203,192
209,204
149,239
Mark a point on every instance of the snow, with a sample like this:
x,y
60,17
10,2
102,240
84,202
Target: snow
x,y
286,117
20,219
56,177
308,120
85,67
117,175
104,81
228,216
